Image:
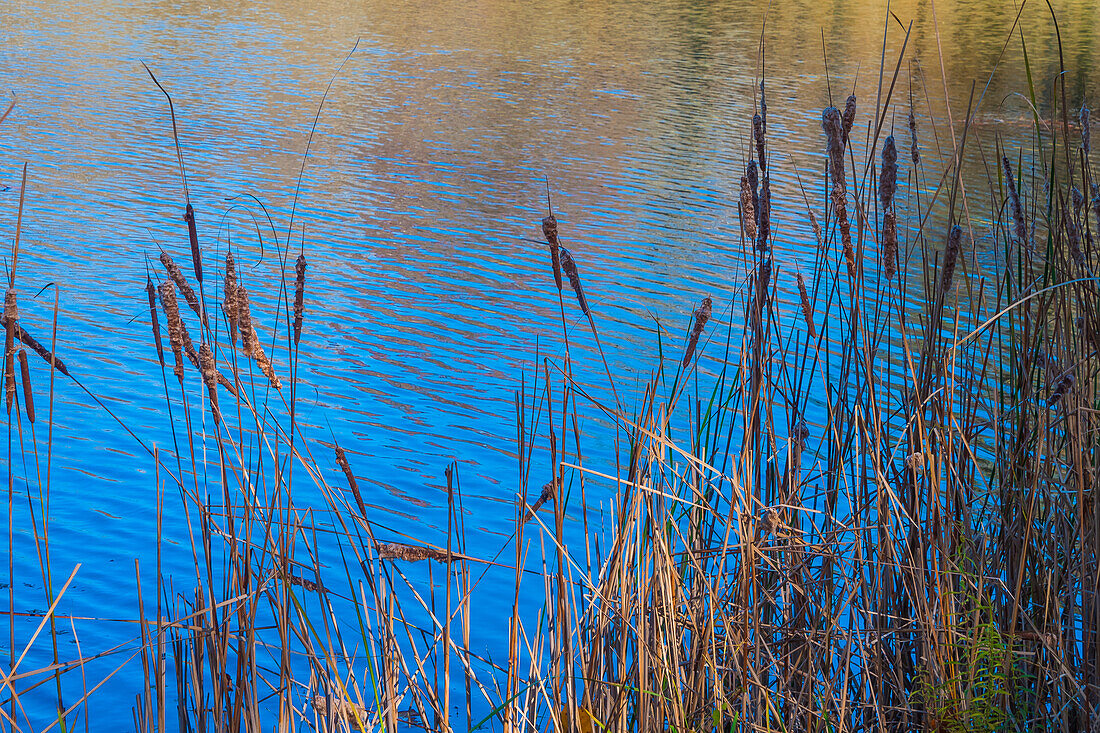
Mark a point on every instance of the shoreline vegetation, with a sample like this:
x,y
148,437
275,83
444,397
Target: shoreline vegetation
x,y
804,536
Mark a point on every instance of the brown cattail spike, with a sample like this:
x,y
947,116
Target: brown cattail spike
x,y
753,174
748,213
32,343
229,297
950,259
849,117
807,308
176,331
177,277
758,135
550,231
193,235
1086,133
914,148
299,296
888,176
834,138
1014,203
210,379
342,461
152,293
28,395
570,268
890,244
702,315
765,215
11,317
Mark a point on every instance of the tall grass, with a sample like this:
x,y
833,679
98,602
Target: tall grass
x,y
874,511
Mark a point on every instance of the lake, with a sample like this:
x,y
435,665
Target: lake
x,y
427,301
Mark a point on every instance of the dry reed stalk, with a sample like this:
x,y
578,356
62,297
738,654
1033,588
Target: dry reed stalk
x,y
748,213
570,268
702,315
765,215
1086,132
299,296
11,316
1014,203
807,308
177,277
412,553
344,711
210,379
550,231
177,333
890,244
193,237
849,118
230,304
342,462
758,135
914,148
28,394
153,319
950,259
888,177
32,343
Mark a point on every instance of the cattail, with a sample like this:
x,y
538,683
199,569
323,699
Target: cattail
x,y
1078,200
176,331
763,108
890,244
177,277
807,308
307,584
28,396
299,296
1014,202
38,348
849,118
209,378
193,235
834,138
1061,388
748,213
153,319
570,268
817,229
411,553
702,315
342,710
763,281
544,496
1096,205
914,149
229,297
758,135
888,177
1073,239
11,316
550,231
1086,134
250,340
950,259
801,432
841,207
754,184
342,462
765,215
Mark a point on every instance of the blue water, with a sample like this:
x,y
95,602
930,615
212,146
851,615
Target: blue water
x,y
426,301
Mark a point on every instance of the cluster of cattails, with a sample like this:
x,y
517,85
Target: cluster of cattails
x,y
887,188
342,461
702,315
1020,226
836,137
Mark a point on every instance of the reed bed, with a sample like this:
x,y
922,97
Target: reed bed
x,y
851,516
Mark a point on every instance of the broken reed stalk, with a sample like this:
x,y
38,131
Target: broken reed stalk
x,y
807,308
28,395
299,296
702,315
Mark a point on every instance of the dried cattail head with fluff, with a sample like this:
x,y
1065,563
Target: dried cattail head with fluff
x,y
1014,203
210,379
230,304
544,496
244,321
1086,134
702,315
152,293
849,117
816,226
753,173
410,553
950,259
176,330
176,275
570,268
834,140
888,176
765,215
1073,239
11,317
299,296
28,393
748,212
807,308
914,148
889,244
1078,200
550,231
840,206
758,135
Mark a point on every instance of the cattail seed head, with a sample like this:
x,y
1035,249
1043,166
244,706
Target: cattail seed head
x,y
11,317
411,553
950,259
849,118
888,177
210,379
550,231
748,212
816,226
570,268
807,308
758,135
763,284
763,108
244,321
177,277
834,140
914,148
840,206
702,315
193,236
299,296
342,462
153,319
28,393
1014,203
753,174
176,332
1078,200
765,215
1061,388
889,244
230,305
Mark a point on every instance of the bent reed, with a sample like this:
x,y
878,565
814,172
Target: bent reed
x,y
855,515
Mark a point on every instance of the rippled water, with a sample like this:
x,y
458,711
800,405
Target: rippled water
x,y
424,182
